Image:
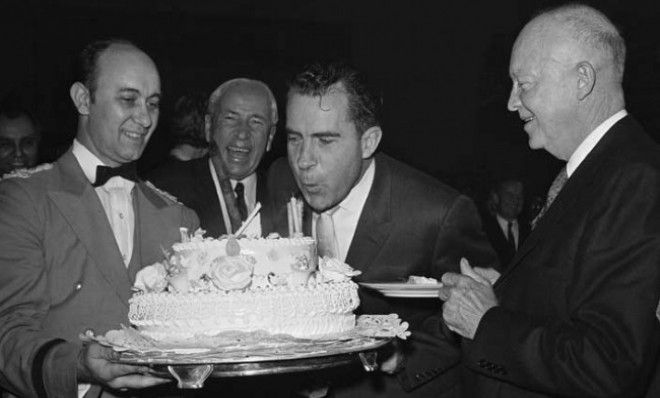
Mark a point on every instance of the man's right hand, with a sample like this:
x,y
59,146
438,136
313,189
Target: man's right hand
x,y
98,365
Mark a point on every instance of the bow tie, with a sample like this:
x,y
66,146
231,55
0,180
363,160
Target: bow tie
x,y
127,171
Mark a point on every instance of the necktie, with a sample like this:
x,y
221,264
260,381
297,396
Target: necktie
x,y
127,171
554,190
510,237
325,235
239,189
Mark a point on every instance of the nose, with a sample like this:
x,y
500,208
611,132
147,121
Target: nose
x,y
142,116
243,130
306,155
514,99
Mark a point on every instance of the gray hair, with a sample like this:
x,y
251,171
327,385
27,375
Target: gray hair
x,y
594,29
216,95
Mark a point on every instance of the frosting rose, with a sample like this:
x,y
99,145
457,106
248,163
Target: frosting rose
x,y
231,272
152,278
333,270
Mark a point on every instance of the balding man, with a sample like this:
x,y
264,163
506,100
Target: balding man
x,y
74,234
574,313
224,187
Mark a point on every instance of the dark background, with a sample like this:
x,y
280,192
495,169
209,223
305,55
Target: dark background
x,y
441,67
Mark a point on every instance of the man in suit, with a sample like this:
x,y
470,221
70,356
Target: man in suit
x,y
71,244
388,220
224,187
574,313
502,223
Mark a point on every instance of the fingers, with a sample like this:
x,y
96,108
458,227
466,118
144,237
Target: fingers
x,y
467,270
489,273
119,370
136,381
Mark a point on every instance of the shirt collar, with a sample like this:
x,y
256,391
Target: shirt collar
x,y
87,160
590,142
356,198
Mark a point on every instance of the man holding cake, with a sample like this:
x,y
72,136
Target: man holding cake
x,y
379,216
74,234
224,187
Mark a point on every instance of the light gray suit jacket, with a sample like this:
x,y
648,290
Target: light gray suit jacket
x,y
61,271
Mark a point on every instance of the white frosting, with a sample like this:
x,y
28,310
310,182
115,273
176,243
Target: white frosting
x,y
300,311
272,285
279,256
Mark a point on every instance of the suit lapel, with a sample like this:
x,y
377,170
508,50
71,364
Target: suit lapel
x,y
81,207
266,212
152,226
581,180
206,189
373,226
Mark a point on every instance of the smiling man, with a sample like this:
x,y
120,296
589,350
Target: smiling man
x,y
573,315
379,216
74,234
240,124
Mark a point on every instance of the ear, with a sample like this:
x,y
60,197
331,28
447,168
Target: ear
x,y
271,135
370,140
207,127
586,79
81,97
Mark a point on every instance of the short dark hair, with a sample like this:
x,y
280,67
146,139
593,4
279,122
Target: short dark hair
x,y
363,105
187,123
87,67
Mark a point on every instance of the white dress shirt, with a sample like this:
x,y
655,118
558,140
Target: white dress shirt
x,y
250,192
504,225
590,142
117,202
345,217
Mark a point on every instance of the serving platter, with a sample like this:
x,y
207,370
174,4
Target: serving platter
x,y
405,290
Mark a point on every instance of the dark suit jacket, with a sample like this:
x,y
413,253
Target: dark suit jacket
x,y
61,271
192,184
411,224
577,304
499,240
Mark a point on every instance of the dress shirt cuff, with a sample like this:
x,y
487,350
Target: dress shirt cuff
x,y
54,369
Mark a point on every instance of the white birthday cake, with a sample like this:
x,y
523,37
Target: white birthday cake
x,y
209,286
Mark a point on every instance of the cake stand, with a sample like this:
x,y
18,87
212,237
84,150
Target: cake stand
x,y
232,354
192,370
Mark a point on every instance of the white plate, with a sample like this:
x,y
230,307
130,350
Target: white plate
x,y
405,290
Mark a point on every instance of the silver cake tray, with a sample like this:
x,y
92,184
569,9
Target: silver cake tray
x,y
231,354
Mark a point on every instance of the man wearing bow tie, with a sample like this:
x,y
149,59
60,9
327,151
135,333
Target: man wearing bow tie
x,y
74,234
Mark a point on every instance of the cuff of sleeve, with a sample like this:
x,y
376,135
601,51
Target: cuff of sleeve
x,y
492,339
54,369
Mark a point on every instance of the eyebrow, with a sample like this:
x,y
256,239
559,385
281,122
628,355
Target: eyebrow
x,y
137,92
322,134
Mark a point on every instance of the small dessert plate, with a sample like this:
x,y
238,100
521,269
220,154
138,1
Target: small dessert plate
x,y
405,290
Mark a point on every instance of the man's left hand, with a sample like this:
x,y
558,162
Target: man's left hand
x,y
468,296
